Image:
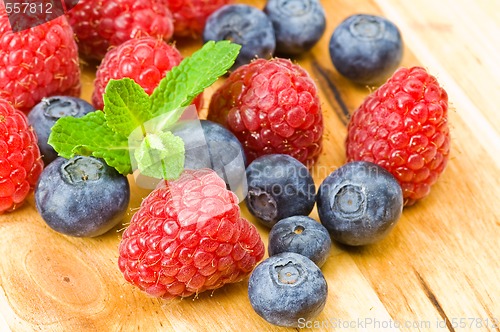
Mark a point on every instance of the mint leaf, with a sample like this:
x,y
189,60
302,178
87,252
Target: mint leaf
x,y
126,105
91,136
161,155
195,73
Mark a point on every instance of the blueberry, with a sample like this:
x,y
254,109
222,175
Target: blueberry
x,y
298,24
302,235
366,48
279,186
245,25
359,203
210,145
287,288
44,114
82,196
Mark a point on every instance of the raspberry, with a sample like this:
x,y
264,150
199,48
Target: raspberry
x,y
38,62
145,60
190,15
100,24
20,160
403,127
272,106
188,237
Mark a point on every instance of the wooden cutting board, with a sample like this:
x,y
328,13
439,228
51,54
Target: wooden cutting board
x,y
438,270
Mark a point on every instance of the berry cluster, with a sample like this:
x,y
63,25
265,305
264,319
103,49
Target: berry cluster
x,y
358,204
397,146
282,28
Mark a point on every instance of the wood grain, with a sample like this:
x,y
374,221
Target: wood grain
x,y
438,269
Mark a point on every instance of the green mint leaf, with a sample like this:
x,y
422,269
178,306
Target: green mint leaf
x,y
126,105
161,155
162,122
91,136
195,73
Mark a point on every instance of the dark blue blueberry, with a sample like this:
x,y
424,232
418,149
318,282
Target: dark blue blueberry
x,y
245,25
44,114
210,145
279,186
302,235
298,24
366,48
359,203
82,196
286,289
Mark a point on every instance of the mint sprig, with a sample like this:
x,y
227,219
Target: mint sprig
x,y
128,108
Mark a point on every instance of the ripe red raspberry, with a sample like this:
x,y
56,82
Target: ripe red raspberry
x,y
190,15
145,60
403,127
20,160
100,24
188,237
37,62
272,106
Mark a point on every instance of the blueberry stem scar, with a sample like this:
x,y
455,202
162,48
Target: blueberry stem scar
x,y
288,273
81,169
298,229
